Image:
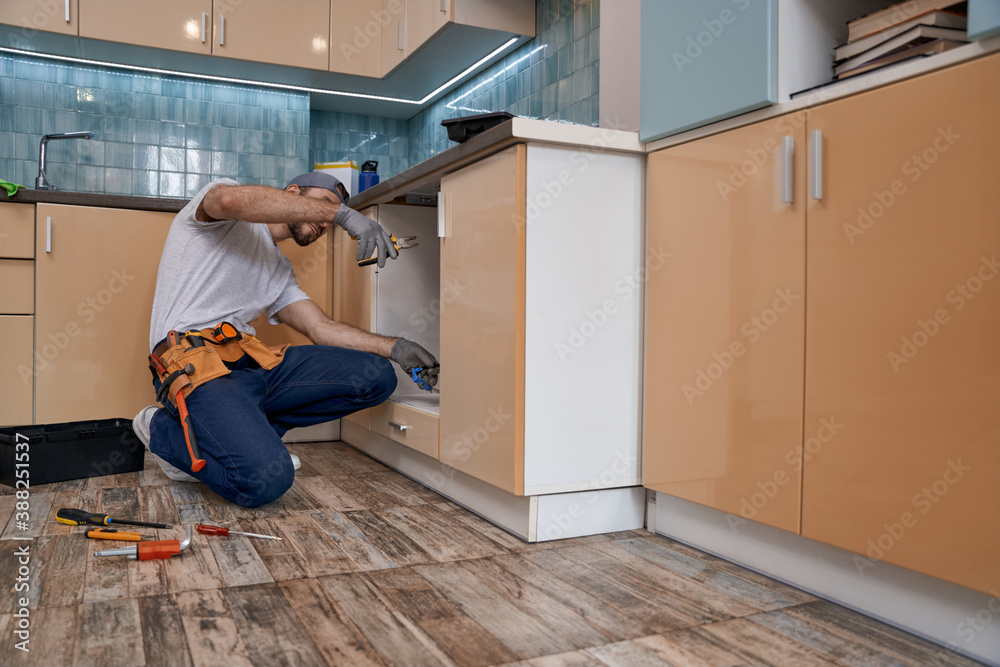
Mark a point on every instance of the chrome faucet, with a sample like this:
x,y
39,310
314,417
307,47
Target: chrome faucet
x,y
42,182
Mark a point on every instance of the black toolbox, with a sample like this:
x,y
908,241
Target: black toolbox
x,y
58,452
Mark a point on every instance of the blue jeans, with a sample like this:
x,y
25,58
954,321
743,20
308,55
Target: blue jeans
x,y
239,418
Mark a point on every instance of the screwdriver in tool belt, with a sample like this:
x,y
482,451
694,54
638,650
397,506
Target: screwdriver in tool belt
x,y
219,530
75,517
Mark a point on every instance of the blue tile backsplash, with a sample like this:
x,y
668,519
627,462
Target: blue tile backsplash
x,y
166,136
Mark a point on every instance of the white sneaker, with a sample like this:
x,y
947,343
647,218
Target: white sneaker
x,y
141,425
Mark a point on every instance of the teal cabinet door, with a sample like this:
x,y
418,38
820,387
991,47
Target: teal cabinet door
x,y
704,61
984,19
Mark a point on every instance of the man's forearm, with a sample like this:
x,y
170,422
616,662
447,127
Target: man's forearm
x,y
344,335
258,203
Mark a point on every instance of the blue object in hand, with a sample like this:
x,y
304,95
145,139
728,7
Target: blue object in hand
x,y
423,384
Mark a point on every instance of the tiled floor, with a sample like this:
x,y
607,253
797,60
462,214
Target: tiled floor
x,y
377,570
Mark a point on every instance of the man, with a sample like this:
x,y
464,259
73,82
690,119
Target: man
x,y
220,264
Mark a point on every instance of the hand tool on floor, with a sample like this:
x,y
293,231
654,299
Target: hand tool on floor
x,y
75,517
219,530
151,550
401,243
197,463
112,534
422,383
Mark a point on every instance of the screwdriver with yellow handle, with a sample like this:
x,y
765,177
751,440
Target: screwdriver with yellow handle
x,y
75,517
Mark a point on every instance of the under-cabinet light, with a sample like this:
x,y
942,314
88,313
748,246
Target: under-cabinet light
x,y
249,82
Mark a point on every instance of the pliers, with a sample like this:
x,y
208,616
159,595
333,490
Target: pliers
x,y
402,243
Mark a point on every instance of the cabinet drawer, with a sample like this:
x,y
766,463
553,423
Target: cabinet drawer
x,y
17,231
408,426
17,287
16,380
362,418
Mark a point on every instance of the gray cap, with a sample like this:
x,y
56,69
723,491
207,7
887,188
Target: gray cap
x,y
318,179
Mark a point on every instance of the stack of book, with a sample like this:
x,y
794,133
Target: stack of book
x,y
910,29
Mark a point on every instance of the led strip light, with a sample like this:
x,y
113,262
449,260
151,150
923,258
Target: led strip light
x,y
265,84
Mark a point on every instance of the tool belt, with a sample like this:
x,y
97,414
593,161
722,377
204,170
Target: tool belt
x,y
199,356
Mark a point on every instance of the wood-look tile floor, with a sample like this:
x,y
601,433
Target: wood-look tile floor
x,y
375,569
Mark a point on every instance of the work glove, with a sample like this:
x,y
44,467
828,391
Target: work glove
x,y
409,355
370,235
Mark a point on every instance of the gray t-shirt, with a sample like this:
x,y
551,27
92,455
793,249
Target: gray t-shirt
x,y
212,272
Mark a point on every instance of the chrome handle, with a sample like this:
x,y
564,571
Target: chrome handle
x,y
222,31
787,173
398,426
444,215
48,234
204,17
67,11
401,36
444,6
816,164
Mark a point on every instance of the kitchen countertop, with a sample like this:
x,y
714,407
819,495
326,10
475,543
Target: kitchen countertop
x,y
27,196
422,179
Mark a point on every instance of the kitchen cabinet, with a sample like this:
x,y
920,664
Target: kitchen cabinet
x,y
297,34
95,278
424,18
16,380
17,252
894,226
180,25
356,37
725,322
394,49
60,16
902,324
540,333
705,61
313,267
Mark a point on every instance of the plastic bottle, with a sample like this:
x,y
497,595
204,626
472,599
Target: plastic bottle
x,y
368,176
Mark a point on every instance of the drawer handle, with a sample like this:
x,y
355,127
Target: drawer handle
x,y
398,426
48,234
222,31
817,164
204,16
787,160
67,11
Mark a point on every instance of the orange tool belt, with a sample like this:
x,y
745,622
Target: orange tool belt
x,y
200,356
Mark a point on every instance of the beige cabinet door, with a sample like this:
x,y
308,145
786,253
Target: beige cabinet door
x,y
313,266
94,295
903,324
393,34
180,25
30,15
482,328
424,18
16,378
353,285
293,32
724,323
356,37
17,231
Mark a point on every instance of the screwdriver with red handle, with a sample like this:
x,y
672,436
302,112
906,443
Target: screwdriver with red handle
x,y
219,530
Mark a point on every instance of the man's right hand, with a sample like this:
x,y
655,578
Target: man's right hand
x,y
410,355
370,235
